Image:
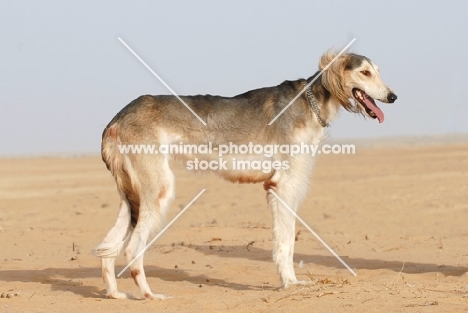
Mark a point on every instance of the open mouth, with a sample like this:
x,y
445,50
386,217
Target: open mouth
x,y
368,104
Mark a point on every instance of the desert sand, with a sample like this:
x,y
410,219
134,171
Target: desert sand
x,y
398,215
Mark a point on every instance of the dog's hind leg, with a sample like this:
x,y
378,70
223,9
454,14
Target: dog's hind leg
x,y
111,246
291,189
155,193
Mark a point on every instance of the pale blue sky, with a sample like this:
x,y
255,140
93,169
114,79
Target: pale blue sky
x,y
64,74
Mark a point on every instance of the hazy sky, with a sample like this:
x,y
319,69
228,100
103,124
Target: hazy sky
x,y
64,74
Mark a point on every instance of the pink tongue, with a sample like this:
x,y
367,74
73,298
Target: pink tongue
x,y
371,105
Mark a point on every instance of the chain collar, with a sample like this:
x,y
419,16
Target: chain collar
x,y
314,104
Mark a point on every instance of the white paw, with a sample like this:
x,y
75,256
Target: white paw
x,y
295,283
300,282
118,295
156,296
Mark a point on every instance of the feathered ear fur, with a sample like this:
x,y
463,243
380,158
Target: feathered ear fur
x,y
332,77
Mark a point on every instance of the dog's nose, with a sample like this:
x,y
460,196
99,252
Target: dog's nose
x,y
391,97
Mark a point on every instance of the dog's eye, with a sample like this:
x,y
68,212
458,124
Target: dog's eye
x,y
366,73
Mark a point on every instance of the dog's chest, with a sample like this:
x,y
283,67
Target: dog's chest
x,y
308,135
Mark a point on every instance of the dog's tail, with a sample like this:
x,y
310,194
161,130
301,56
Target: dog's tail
x,y
118,163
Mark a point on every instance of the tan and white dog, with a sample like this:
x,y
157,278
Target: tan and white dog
x,y
146,183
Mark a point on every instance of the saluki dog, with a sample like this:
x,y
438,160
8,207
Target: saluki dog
x,y
145,182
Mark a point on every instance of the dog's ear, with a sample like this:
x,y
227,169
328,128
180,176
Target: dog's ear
x,y
326,58
332,77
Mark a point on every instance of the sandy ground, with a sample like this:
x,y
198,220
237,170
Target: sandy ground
x,y
397,215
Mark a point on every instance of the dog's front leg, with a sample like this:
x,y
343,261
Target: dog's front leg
x,y
283,241
291,190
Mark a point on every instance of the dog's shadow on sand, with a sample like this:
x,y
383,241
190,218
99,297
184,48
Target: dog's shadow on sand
x,y
59,279
259,254
76,280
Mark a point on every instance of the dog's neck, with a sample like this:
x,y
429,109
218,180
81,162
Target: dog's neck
x,y
322,102
315,107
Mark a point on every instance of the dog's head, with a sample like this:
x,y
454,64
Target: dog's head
x,y
355,77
